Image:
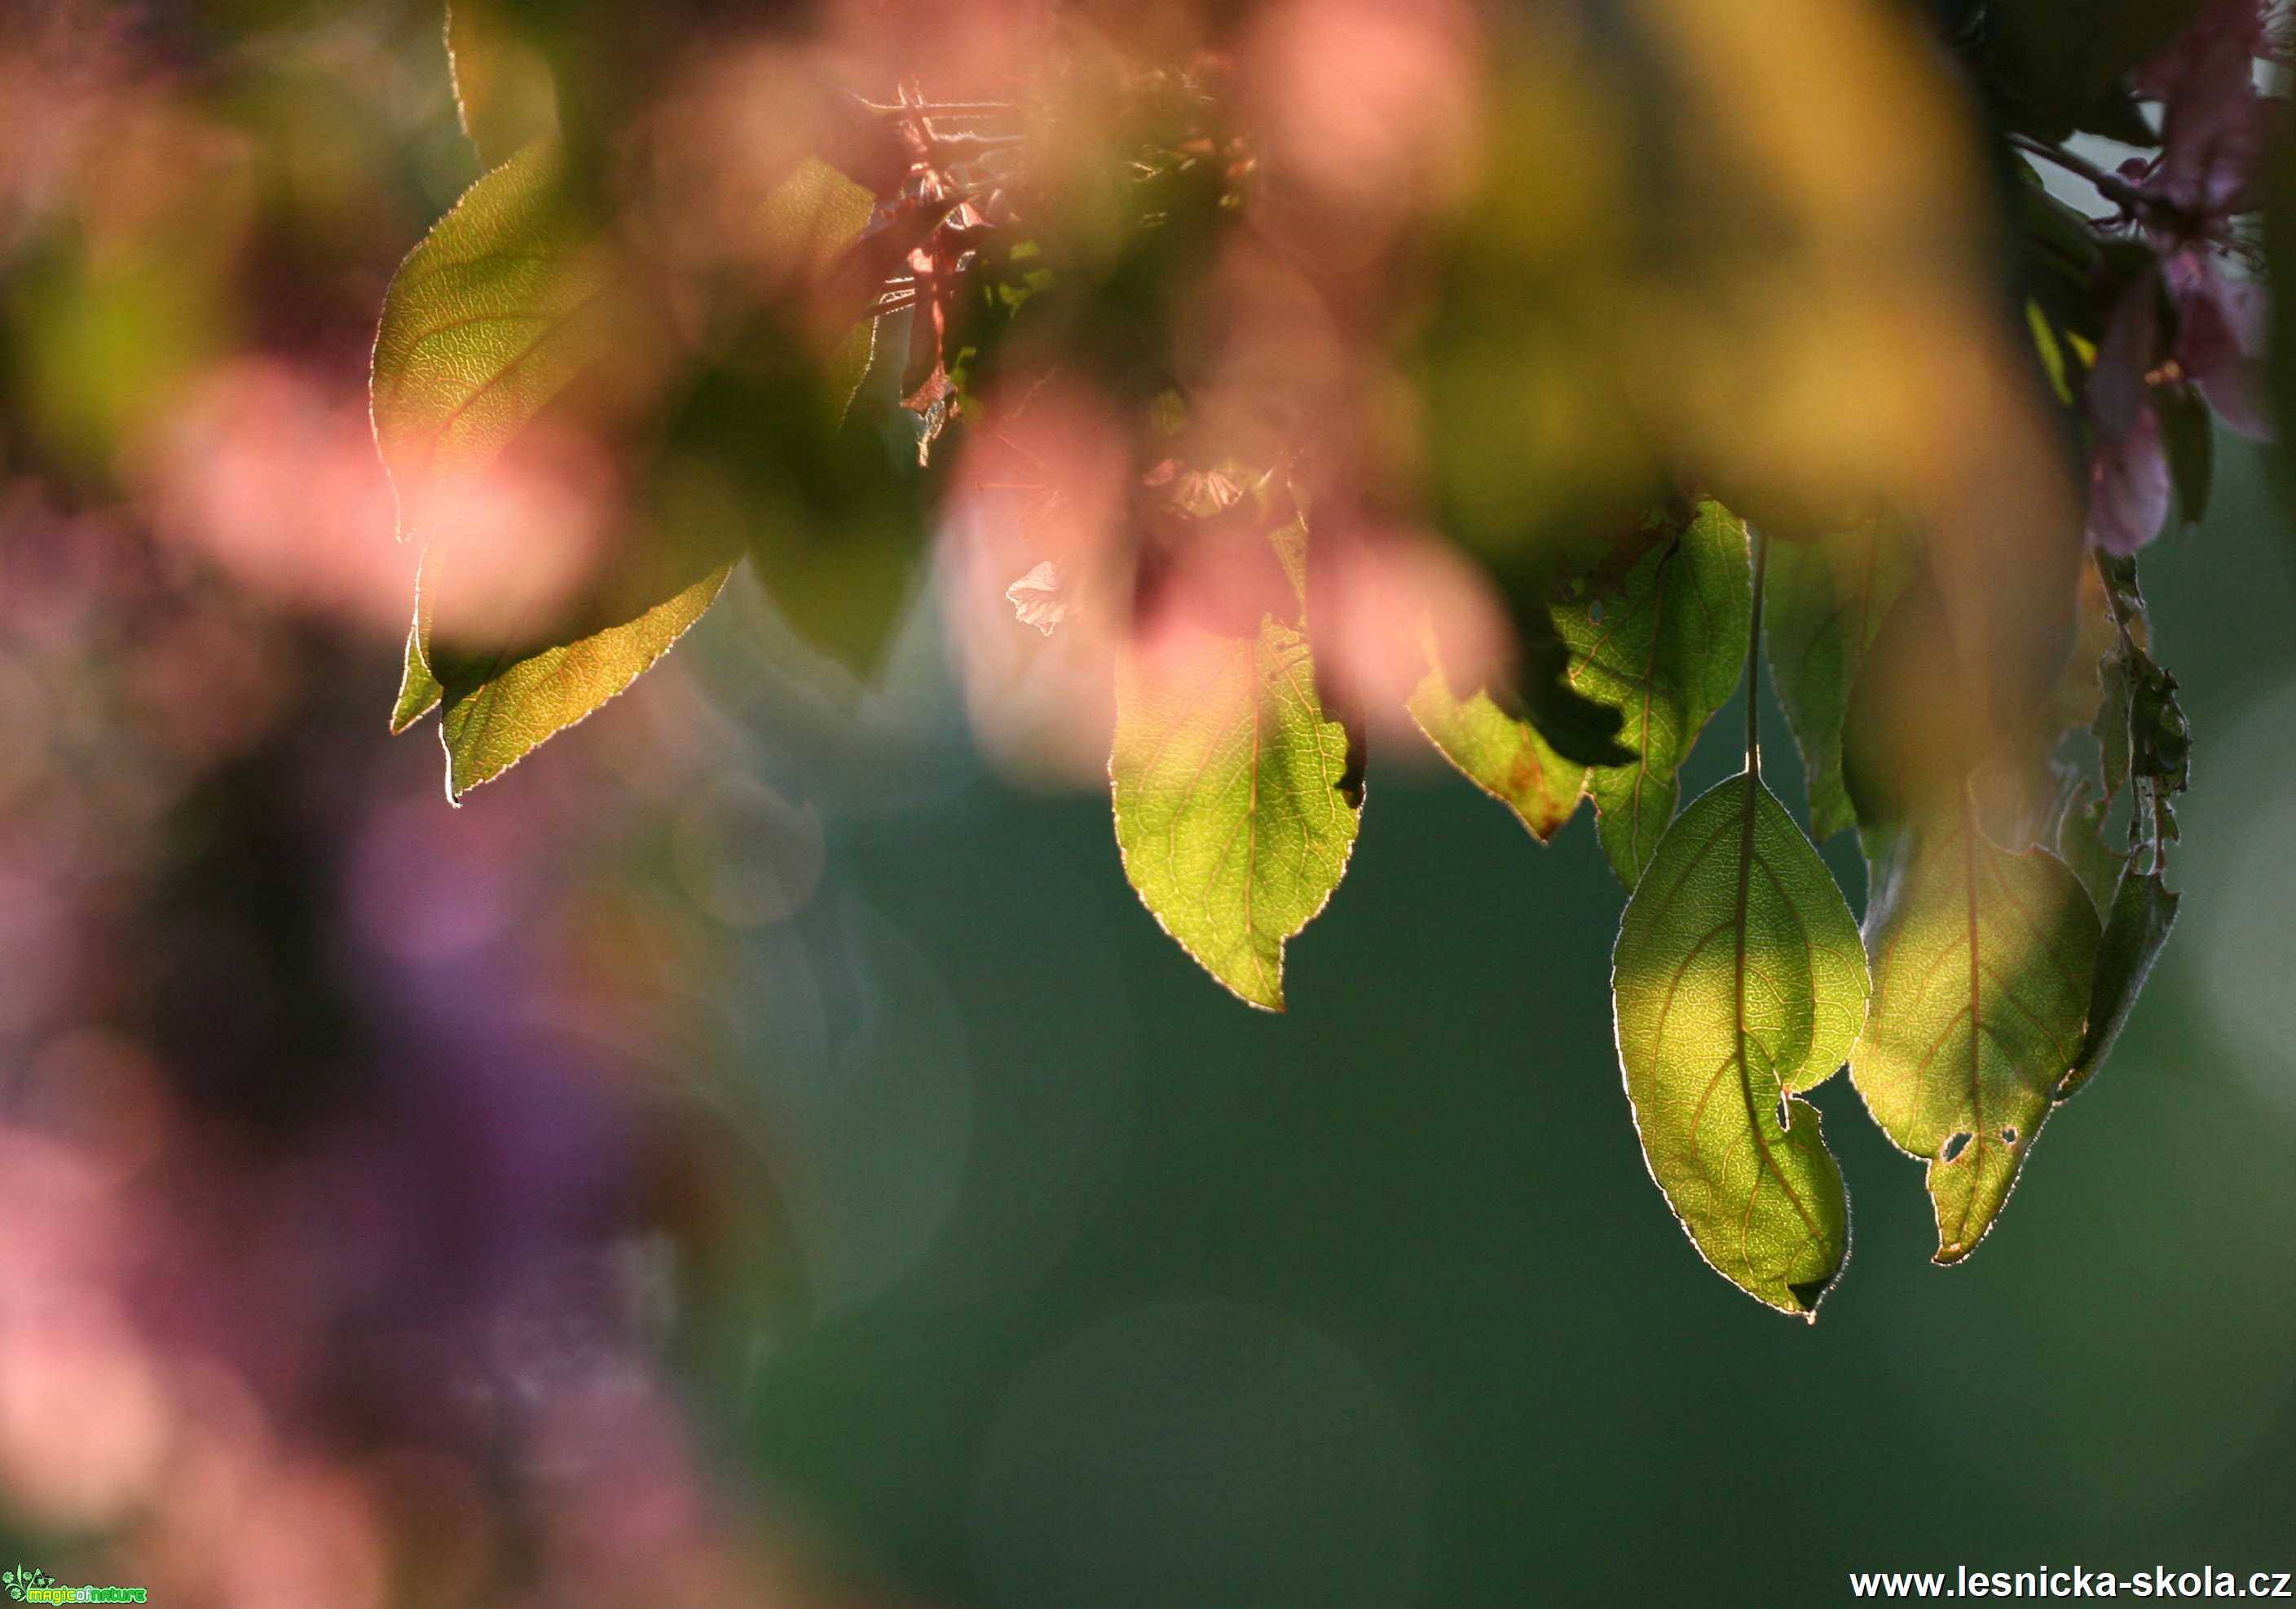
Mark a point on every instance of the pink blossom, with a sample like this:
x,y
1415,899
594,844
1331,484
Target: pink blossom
x,y
2213,132
2128,487
2220,333
2213,120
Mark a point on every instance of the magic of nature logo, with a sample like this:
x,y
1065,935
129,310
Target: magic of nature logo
x,y
30,1584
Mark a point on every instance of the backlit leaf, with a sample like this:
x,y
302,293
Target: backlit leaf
x,y
1665,650
2188,436
2081,844
1739,981
1578,728
1982,967
2146,744
2135,928
502,307
503,88
1235,808
512,308
1827,598
1504,757
499,710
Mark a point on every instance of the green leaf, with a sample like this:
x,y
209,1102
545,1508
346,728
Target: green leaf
x,y
1827,598
2112,724
498,711
1739,981
2081,844
505,305
2135,928
818,453
1665,650
502,307
1574,725
1982,967
514,306
502,90
1504,757
1235,811
2147,744
419,690
2188,434
813,214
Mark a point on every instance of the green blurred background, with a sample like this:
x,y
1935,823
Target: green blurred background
x,y
1374,1303
1023,1267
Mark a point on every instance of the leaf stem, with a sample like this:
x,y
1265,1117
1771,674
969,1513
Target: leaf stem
x,y
1754,659
2133,199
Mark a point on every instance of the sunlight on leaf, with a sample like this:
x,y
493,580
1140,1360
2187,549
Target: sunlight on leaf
x,y
1235,811
498,713
1665,652
1982,968
512,330
502,90
1738,982
1504,757
501,309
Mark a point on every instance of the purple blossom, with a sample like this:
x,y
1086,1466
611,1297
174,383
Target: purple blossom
x,y
2213,132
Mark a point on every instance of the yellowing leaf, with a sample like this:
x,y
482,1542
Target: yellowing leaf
x,y
1666,651
1982,968
1504,757
1236,805
1738,982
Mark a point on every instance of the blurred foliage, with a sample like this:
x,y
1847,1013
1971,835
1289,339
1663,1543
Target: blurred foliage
x,y
749,1136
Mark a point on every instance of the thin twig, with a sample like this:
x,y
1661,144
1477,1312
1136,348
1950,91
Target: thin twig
x,y
2132,198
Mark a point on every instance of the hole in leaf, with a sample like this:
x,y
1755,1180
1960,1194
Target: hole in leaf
x,y
1953,1146
1594,612
2009,1135
1782,1113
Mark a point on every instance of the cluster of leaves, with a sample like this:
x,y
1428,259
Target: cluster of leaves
x,y
931,261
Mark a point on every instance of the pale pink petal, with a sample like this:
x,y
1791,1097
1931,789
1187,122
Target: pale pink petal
x,y
1041,495
2129,487
2117,384
2220,336
1042,598
2226,35
1382,595
2211,143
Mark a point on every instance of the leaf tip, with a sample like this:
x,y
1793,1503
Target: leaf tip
x,y
1812,1292
457,786
1263,993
